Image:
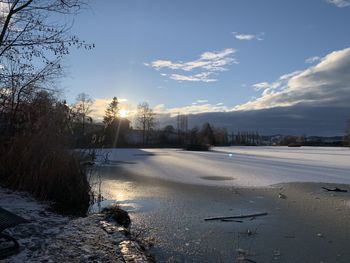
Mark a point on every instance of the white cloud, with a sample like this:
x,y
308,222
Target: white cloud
x,y
261,85
211,61
159,108
289,75
312,60
197,77
194,108
247,37
201,101
328,82
207,64
339,3
267,87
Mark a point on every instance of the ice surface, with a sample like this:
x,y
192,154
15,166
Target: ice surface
x,y
248,166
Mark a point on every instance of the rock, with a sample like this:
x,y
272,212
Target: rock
x,y
282,196
319,234
249,232
118,214
242,252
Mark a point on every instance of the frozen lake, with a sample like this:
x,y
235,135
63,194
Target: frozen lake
x,y
239,166
169,192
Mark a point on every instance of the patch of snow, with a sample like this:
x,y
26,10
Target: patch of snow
x,y
49,237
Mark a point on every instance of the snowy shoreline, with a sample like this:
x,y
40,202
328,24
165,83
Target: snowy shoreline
x,y
50,237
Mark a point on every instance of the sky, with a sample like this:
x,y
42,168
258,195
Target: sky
x,y
212,56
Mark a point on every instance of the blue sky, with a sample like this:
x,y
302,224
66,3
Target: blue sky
x,y
267,39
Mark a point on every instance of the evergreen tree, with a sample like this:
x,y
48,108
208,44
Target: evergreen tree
x,y
111,112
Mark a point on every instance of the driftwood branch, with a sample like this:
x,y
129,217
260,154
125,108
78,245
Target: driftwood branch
x,y
235,217
231,220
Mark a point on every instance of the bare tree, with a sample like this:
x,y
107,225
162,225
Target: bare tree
x,y
34,36
81,110
20,83
29,30
146,120
348,133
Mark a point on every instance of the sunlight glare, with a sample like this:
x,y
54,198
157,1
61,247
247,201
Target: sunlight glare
x,y
123,113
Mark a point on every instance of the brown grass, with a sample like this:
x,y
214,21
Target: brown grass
x,y
41,165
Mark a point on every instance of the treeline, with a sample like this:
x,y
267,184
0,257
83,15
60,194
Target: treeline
x,y
207,135
115,130
247,138
347,136
198,137
192,139
295,141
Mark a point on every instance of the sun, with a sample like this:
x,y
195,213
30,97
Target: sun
x,y
123,113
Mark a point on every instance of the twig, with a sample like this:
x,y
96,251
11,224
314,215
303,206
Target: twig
x,y
235,217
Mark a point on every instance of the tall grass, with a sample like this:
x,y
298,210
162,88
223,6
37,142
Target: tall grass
x,y
46,169
37,159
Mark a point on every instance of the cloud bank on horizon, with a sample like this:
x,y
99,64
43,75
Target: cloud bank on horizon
x,y
328,82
